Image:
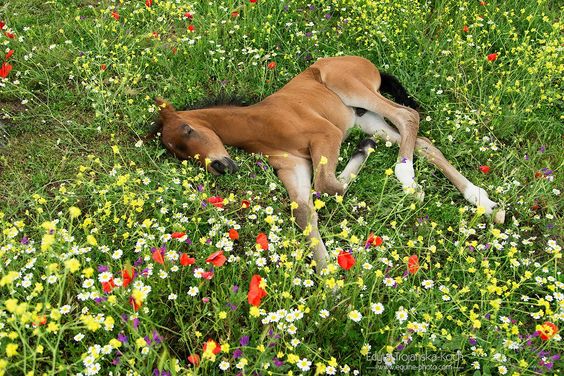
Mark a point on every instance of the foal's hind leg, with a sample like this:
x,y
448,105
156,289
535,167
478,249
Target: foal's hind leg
x,y
375,125
362,93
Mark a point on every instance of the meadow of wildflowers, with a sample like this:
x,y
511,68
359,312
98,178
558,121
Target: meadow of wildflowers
x,y
117,259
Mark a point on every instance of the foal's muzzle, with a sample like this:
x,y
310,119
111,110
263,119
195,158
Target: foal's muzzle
x,y
224,165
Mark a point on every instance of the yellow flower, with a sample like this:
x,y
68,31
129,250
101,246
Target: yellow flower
x,y
140,342
11,305
323,160
389,172
73,265
294,205
222,315
74,211
12,349
47,241
115,343
318,204
8,278
254,311
90,239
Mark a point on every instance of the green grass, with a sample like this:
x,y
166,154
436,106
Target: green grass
x,y
62,116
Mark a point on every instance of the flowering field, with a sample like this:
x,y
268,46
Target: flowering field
x,y
116,258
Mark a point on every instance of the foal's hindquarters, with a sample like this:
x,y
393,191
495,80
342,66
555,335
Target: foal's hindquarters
x,y
356,81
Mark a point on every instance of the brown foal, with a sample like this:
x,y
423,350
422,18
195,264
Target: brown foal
x,y
300,129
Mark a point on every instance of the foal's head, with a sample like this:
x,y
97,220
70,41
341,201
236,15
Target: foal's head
x,y
187,139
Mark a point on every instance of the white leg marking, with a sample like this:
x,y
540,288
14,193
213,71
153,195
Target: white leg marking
x,y
479,197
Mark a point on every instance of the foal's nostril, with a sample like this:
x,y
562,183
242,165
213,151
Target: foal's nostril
x,y
231,164
218,166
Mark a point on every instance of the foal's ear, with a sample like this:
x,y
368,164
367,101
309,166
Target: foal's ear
x,y
186,129
164,105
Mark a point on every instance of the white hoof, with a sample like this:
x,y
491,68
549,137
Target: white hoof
x,y
499,216
478,197
405,173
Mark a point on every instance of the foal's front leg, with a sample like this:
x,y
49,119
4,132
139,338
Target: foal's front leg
x,y
295,174
324,150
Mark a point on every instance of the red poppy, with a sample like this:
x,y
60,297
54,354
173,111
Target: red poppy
x,y
155,35
207,275
216,201
115,15
483,3
214,345
186,260
108,286
413,264
547,330
9,54
2,24
177,235
194,359
5,70
252,1
10,34
191,28
485,169
262,240
245,204
492,57
346,260
158,256
127,276
217,258
374,240
233,234
256,293
103,67
271,65
465,28
234,14
148,3
188,15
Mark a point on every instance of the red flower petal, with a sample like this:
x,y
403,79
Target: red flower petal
x,y
217,258
485,169
194,359
492,57
256,293
374,240
127,276
346,260
215,345
178,235
115,15
262,240
186,260
216,201
245,204
9,54
5,70
158,257
233,234
413,264
108,286
271,65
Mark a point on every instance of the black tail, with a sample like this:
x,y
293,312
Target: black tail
x,y
391,85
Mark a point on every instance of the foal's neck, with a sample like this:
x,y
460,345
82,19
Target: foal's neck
x,y
233,124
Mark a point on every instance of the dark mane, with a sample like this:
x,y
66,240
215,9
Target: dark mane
x,y
221,100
